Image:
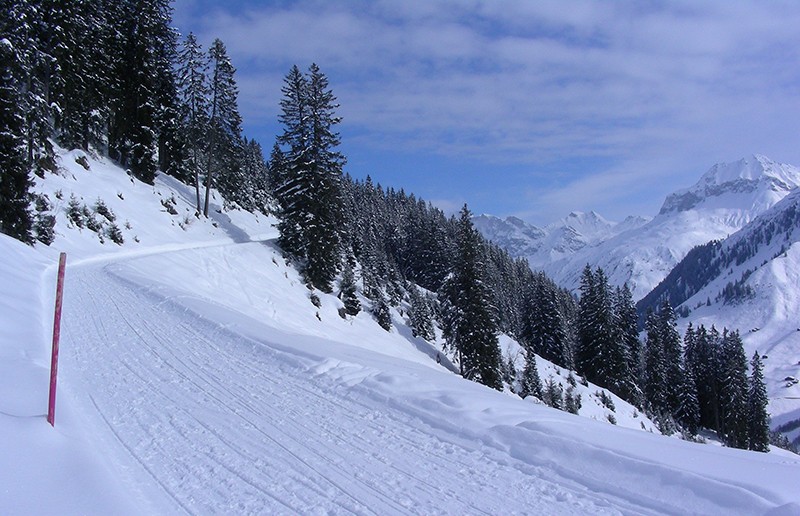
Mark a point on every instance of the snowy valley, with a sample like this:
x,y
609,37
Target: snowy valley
x,y
196,376
244,334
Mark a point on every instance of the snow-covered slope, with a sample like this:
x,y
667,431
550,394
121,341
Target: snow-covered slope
x,y
196,376
641,252
749,282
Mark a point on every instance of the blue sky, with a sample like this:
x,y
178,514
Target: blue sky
x,y
525,108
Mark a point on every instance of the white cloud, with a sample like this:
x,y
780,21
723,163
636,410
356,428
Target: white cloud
x,y
534,82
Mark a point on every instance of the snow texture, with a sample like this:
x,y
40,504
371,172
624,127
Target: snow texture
x,y
196,376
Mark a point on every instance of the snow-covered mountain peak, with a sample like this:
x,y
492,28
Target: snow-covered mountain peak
x,y
752,182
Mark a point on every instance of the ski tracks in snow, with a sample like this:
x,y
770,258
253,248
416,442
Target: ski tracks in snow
x,y
220,423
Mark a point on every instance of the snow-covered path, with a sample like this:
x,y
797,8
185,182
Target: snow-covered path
x,y
221,423
200,408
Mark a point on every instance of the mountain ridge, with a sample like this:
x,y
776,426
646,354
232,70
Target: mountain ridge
x,y
725,199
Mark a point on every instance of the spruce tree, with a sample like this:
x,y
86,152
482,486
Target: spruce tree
x,y
381,311
194,93
15,183
347,291
531,384
310,188
733,396
688,410
655,388
471,325
757,400
420,315
672,355
628,335
601,356
224,126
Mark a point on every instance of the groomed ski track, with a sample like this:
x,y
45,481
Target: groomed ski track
x,y
200,416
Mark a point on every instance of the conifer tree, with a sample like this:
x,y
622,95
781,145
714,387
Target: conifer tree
x,y
601,355
688,410
15,183
347,291
733,392
224,126
420,315
628,335
194,93
757,400
470,326
310,189
136,101
531,384
655,367
672,356
381,311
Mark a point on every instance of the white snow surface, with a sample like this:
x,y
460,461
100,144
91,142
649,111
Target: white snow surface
x,y
196,377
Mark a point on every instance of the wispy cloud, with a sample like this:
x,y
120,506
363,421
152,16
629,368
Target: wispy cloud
x,y
654,92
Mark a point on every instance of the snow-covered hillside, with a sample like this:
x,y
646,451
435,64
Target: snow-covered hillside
x,y
641,253
749,282
196,376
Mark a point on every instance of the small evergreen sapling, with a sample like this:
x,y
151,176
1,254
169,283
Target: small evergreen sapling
x,y
347,291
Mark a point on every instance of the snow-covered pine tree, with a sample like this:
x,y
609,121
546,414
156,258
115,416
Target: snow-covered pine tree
x,y
470,324
15,183
224,127
80,35
310,195
628,335
733,392
347,290
193,91
381,311
601,355
655,367
530,384
688,411
144,31
542,325
26,26
420,314
757,415
672,356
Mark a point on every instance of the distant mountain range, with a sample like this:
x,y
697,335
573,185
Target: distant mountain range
x,y
725,252
642,251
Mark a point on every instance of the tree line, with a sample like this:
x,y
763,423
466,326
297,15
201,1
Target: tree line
x,y
114,77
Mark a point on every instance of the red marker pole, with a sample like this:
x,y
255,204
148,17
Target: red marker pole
x,y
51,405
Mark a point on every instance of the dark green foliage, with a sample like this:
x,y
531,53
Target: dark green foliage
x,y
101,209
15,182
572,400
347,291
420,315
75,211
733,392
309,191
530,384
757,400
224,128
470,326
603,355
113,233
553,394
44,221
688,411
381,311
655,387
